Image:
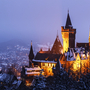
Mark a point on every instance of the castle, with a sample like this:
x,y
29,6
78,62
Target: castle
x,y
72,59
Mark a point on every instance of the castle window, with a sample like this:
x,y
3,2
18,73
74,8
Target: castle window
x,y
53,65
46,64
49,64
49,71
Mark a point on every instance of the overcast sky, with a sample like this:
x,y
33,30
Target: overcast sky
x,y
39,20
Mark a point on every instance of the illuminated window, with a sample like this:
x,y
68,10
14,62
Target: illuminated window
x,y
46,64
50,64
53,65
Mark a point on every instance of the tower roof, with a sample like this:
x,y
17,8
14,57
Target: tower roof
x,y
31,55
57,47
68,22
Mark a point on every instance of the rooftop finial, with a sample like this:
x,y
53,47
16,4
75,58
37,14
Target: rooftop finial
x,y
31,42
57,32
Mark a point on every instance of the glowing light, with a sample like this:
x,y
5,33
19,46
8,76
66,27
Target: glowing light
x,y
62,51
76,66
47,67
83,55
28,83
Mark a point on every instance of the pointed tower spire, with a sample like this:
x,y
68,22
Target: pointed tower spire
x,y
57,46
57,36
31,55
68,21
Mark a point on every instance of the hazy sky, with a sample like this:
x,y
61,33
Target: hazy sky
x,y
39,20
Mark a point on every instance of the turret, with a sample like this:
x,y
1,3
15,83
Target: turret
x,y
31,55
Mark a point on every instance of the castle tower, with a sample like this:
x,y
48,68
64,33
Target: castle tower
x,y
31,55
68,35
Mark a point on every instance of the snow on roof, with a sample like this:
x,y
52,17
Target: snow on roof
x,y
65,54
15,82
71,52
71,59
18,84
32,73
72,55
34,68
44,61
18,78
